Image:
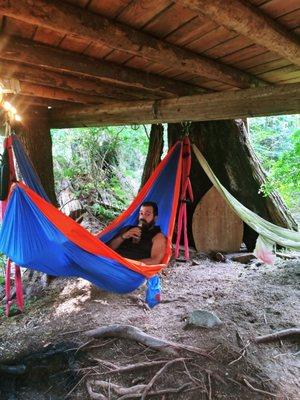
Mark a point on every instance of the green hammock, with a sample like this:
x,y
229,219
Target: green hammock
x,y
269,234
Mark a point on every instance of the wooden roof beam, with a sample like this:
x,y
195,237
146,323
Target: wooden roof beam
x,y
69,19
30,89
28,52
250,22
41,76
268,100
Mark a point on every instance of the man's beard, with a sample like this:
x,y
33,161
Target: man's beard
x,y
146,226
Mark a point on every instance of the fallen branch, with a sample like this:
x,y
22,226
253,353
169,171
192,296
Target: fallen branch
x,y
277,335
133,333
157,375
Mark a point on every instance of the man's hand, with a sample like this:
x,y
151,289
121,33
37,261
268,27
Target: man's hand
x,y
134,233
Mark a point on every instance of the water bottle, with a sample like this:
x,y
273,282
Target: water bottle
x,y
137,240
153,291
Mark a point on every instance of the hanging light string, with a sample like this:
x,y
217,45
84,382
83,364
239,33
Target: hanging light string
x,y
11,114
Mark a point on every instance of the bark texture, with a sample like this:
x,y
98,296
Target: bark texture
x,y
36,138
226,147
155,150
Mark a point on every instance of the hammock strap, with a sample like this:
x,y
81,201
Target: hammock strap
x,y
185,196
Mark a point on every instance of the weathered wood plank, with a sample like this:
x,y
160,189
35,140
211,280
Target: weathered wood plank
x,y
72,20
250,22
281,99
19,50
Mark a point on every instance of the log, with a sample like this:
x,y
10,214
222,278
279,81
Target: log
x,y
275,100
251,23
28,52
226,147
68,19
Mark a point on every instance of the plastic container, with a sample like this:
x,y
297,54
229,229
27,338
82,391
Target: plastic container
x,y
153,296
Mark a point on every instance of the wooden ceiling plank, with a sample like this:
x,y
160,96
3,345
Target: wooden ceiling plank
x,y
98,51
53,79
211,39
108,8
269,66
169,20
253,52
277,75
138,13
277,8
228,47
27,52
250,22
120,57
75,21
257,60
270,100
76,44
290,20
191,31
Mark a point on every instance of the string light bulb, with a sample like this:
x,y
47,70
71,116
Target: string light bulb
x,y
18,118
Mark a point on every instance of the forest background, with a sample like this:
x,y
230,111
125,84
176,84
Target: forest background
x,y
103,166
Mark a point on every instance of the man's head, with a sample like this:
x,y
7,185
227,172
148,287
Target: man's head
x,y
148,214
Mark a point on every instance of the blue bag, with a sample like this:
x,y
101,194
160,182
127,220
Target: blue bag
x,y
153,291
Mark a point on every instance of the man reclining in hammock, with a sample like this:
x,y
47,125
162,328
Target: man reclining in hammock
x,y
144,242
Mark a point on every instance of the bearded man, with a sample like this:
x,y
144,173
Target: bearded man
x,y
143,242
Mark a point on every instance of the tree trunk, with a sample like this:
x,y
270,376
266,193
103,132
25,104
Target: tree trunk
x,y
155,150
34,133
226,147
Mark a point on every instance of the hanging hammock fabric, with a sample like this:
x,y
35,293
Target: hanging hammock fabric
x,y
269,234
35,234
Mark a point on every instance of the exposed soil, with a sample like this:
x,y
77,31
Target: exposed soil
x,y
59,360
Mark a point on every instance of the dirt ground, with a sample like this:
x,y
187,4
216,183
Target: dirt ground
x,y
251,300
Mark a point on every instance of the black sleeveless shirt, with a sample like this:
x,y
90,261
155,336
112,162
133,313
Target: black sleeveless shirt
x,y
140,250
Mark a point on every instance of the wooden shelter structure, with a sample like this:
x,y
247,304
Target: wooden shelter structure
x,y
131,61
107,62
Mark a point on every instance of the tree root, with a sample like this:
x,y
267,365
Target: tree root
x,y
133,333
113,368
278,335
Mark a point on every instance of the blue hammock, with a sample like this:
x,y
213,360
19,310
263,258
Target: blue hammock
x,y
34,234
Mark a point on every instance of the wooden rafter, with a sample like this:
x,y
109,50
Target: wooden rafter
x,y
250,22
68,19
41,76
270,100
28,52
33,90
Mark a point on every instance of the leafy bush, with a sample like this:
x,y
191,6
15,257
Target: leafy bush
x,y
277,144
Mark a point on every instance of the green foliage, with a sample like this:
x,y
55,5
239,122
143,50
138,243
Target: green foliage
x,y
276,141
103,165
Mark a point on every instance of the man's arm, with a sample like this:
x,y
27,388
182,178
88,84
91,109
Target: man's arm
x,y
158,250
123,235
